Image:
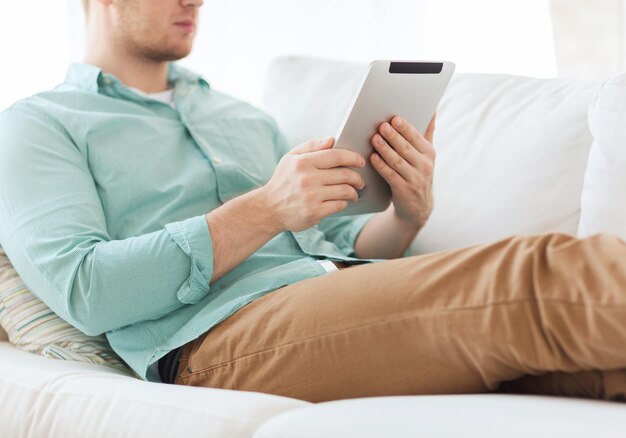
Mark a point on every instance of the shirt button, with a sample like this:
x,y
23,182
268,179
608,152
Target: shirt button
x,y
107,81
217,160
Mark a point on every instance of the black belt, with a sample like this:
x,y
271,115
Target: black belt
x,y
168,365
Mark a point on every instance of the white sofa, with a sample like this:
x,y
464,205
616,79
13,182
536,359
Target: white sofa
x,y
512,154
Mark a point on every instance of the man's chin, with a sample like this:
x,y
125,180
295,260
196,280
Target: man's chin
x,y
167,55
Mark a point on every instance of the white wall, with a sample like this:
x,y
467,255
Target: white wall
x,y
493,36
238,38
590,40
35,47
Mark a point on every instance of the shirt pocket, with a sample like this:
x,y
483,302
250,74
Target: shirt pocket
x,y
248,156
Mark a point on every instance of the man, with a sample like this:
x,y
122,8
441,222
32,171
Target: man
x,y
137,201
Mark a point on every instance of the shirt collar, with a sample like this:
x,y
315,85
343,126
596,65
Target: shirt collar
x,y
83,76
177,73
90,77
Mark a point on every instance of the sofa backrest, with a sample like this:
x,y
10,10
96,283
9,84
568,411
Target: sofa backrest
x,y
511,150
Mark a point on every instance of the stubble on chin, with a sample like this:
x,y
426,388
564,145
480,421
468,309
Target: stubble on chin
x,y
161,53
149,42
156,47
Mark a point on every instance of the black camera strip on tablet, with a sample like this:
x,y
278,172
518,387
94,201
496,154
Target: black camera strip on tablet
x,y
416,68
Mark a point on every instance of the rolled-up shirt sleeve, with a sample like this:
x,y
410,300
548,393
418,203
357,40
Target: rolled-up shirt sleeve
x,y
193,237
53,228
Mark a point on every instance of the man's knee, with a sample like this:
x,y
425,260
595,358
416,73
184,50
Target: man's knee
x,y
603,246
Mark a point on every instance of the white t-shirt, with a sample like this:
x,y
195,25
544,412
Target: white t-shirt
x,y
166,96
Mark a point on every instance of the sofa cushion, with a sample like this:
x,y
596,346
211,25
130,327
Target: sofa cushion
x,y
33,327
603,200
59,399
485,416
512,154
309,97
3,334
511,151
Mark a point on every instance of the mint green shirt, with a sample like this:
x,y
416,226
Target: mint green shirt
x,y
103,194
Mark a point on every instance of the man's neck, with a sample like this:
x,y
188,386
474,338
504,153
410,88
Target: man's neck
x,y
141,73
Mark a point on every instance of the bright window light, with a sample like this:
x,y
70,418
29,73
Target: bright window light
x,y
238,38
494,36
35,47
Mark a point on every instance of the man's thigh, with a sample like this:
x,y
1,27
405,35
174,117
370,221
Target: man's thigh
x,y
350,333
454,322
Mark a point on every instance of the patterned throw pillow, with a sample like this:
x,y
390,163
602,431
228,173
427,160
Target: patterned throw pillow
x,y
33,327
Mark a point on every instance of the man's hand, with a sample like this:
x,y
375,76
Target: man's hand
x,y
311,182
406,160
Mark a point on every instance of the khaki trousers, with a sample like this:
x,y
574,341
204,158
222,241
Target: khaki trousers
x,y
543,314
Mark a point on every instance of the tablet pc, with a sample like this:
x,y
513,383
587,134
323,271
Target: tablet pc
x,y
410,89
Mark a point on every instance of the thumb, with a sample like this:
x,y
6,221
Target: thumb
x,y
313,146
430,131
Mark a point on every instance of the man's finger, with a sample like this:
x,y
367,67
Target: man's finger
x,y
392,157
313,146
339,192
341,176
408,131
327,159
402,142
330,207
392,177
430,131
